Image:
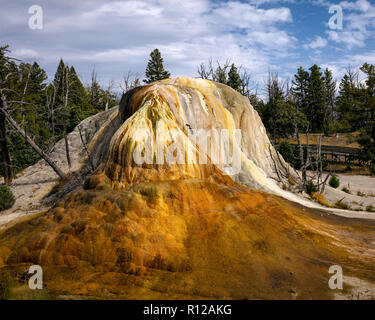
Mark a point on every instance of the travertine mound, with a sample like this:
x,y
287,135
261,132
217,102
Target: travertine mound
x,y
174,114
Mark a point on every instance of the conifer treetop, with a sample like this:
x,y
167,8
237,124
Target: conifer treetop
x,y
155,69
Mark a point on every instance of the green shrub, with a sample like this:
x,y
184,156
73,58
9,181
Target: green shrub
x,y
370,209
345,189
288,152
334,182
341,205
338,126
6,198
311,187
5,286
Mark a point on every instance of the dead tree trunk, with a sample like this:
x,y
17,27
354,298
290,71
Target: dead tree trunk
x,y
50,104
66,99
23,97
321,182
307,162
93,88
301,157
7,160
319,165
67,150
86,149
324,182
44,156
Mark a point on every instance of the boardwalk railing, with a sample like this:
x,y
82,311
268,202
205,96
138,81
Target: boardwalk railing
x,y
335,154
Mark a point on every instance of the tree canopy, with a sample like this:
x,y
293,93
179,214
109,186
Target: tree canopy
x,y
155,68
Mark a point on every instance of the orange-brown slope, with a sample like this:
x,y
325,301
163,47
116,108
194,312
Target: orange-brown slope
x,y
188,239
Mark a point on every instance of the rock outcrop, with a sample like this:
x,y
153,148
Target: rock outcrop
x,y
147,225
211,129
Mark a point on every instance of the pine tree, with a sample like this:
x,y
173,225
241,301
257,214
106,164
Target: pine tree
x,y
59,82
367,98
330,90
347,104
234,79
300,89
72,102
30,113
155,69
77,92
22,98
78,106
316,100
367,105
7,168
220,74
278,113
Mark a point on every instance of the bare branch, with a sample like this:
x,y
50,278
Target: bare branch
x,y
86,149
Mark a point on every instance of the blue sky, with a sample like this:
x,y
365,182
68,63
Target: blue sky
x,y
260,35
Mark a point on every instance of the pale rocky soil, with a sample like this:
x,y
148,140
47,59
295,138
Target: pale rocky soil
x,y
355,289
363,184
357,203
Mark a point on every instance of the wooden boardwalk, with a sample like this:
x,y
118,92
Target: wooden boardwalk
x,y
335,154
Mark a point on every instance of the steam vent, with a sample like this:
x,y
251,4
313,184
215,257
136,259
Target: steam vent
x,y
164,216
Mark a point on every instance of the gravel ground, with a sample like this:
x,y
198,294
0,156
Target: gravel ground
x,y
362,192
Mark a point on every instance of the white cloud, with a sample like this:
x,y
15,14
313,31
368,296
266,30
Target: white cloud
x,y
186,32
317,43
275,39
340,66
360,59
359,24
118,35
130,8
359,5
235,14
25,54
349,38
